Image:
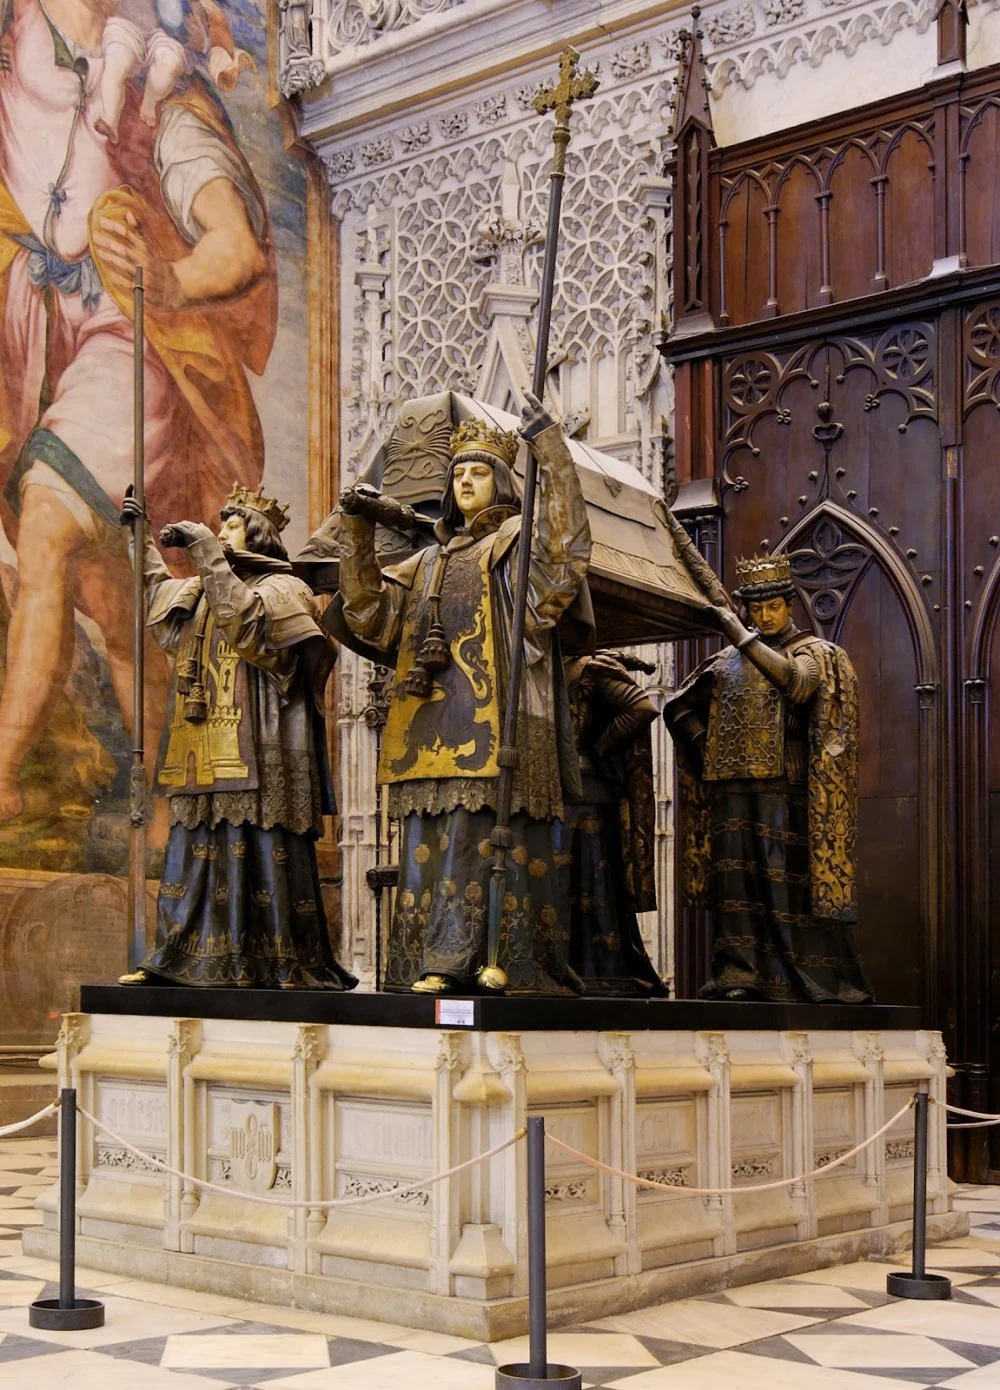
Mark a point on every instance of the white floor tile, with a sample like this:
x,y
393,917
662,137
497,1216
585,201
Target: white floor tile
x,y
984,1378
734,1370
261,1351
580,1349
955,1322
167,1296
329,1324
869,1276
28,1264
938,1257
88,1370
794,1295
705,1324
404,1370
876,1352
18,1293
437,1343
125,1321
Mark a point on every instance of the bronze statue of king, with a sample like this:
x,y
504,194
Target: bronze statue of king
x,y
444,618
767,743
243,758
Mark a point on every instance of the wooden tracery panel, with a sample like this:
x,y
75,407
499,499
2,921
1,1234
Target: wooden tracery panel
x,y
824,223
844,490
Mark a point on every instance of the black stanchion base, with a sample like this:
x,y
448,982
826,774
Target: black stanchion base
x,y
926,1286
85,1313
517,1376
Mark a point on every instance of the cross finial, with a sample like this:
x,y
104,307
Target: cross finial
x,y
572,86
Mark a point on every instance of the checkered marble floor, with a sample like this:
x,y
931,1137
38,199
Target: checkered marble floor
x,y
835,1329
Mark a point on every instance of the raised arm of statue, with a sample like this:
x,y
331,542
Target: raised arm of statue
x,y
797,675
373,607
561,544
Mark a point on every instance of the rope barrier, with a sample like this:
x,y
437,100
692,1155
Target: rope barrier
x,y
981,1120
309,1204
25,1124
730,1191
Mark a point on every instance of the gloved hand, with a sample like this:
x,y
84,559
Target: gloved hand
x,y
534,418
131,511
184,533
379,508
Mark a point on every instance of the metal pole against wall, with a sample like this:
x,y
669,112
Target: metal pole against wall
x,y
918,1283
67,1313
536,1373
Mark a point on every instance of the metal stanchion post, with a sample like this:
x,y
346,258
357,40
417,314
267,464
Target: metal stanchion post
x,y
918,1283
67,1313
536,1373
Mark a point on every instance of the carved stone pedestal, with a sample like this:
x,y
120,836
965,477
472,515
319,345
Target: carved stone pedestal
x,y
337,1099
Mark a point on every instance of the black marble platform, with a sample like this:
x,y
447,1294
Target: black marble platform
x,y
486,1015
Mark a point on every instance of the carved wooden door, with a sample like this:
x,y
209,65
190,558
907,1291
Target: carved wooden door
x,y
830,452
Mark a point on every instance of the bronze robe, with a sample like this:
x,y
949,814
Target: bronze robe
x,y
439,754
769,786
243,760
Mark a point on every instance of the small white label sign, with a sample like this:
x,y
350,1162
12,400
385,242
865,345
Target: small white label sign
x,y
455,1013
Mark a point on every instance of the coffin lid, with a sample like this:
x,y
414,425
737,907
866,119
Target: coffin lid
x,y
640,587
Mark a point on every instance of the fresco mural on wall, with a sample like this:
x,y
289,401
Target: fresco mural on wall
x,y
131,132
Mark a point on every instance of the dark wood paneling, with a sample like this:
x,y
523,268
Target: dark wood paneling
x,y
857,266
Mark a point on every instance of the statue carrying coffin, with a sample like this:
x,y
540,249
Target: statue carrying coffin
x,y
430,592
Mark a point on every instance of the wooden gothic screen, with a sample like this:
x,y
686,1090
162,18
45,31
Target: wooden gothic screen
x,y
836,349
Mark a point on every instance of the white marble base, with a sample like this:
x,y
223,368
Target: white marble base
x,y
322,1110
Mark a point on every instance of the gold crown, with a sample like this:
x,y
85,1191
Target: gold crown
x,y
477,437
258,501
763,569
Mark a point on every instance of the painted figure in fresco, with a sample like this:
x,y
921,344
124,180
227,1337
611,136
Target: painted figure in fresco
x,y
243,758
162,41
767,740
612,825
78,213
444,618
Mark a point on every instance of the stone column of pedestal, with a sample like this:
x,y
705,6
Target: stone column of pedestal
x,y
446,1195
481,1265
712,1052
510,1063
192,1128
310,1049
868,1049
798,1053
616,1053
183,1041
931,1045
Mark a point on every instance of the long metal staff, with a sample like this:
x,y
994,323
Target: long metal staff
x,y
571,87
137,775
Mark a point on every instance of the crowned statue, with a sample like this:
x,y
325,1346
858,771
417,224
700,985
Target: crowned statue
x,y
767,742
243,757
443,617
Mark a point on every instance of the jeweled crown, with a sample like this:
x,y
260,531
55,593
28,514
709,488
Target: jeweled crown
x,y
477,437
258,501
763,569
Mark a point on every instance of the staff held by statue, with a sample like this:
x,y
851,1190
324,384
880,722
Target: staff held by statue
x,y
137,774
571,87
